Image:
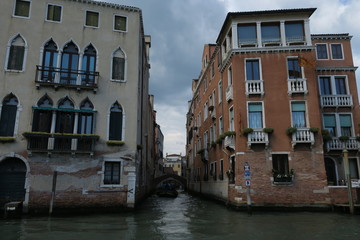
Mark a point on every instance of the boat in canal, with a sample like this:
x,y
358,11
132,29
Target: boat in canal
x,y
167,190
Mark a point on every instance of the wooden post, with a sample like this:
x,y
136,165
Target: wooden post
x,y
348,180
53,193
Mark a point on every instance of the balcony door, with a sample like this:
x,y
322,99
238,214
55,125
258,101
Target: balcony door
x,y
69,64
49,62
89,66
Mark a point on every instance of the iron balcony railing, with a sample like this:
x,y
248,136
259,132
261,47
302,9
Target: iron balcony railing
x,y
336,101
297,85
336,144
66,77
57,142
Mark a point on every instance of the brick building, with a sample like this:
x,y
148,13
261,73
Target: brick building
x,y
74,103
274,98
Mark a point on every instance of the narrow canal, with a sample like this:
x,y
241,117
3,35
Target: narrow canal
x,y
185,217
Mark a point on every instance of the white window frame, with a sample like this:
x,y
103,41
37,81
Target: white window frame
x,y
89,26
327,51
337,121
13,14
260,68
103,173
47,9
262,112
8,54
125,66
358,164
221,125
333,85
231,123
206,111
306,113
127,23
301,67
230,76
342,51
220,93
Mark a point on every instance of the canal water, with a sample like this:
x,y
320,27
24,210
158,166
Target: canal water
x,y
186,217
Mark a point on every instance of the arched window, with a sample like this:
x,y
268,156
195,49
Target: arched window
x,y
16,55
49,62
118,65
86,119
43,115
8,115
116,122
69,64
89,65
65,116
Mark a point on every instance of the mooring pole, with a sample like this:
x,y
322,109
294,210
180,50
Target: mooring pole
x,y
348,180
53,193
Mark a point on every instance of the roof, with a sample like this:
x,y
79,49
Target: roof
x,y
230,15
331,36
106,4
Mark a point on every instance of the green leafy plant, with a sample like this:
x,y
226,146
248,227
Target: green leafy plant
x,y
229,133
291,130
213,144
326,135
200,151
358,138
7,139
268,130
314,129
115,143
246,131
344,138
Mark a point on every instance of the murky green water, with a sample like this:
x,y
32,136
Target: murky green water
x,y
186,217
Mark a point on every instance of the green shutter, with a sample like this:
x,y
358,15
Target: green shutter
x,y
298,106
345,120
329,121
255,107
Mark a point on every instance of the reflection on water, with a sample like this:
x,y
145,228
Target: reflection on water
x,y
186,217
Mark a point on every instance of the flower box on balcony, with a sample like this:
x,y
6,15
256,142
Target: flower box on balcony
x,y
115,143
291,130
246,131
7,139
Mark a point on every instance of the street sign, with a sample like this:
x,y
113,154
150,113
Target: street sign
x,y
246,167
247,183
247,177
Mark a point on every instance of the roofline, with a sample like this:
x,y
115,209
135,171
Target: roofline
x,y
107,4
230,15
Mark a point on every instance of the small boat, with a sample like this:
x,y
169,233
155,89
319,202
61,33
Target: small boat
x,y
167,190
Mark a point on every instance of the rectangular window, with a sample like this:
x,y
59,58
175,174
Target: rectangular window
x,y
92,19
270,33
321,51
206,140
298,114
330,124
205,111
294,32
229,76
112,172
252,70
16,58
336,51
221,169
42,121
22,8
294,69
118,68
53,13
340,84
220,91
247,34
255,115
120,23
231,120
345,125
325,85
280,165
221,126
354,168
85,125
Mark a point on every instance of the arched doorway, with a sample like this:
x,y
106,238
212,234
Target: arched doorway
x,y
12,180
330,168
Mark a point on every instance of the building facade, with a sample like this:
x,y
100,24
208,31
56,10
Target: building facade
x,y
76,118
172,164
272,111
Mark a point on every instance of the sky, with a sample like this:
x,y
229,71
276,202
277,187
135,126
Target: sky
x,y
179,30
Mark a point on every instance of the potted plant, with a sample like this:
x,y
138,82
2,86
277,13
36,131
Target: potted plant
x,y
314,129
344,138
246,131
268,130
326,135
291,130
115,143
7,139
229,133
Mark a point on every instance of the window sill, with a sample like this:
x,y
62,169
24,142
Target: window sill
x,y
51,21
14,71
86,26
112,186
121,31
24,17
119,81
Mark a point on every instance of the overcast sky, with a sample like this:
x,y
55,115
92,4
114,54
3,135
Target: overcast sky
x,y
180,28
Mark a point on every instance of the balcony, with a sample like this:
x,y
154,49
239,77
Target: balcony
x,y
254,87
63,143
229,93
336,101
302,135
297,86
295,40
271,41
229,142
59,77
336,144
258,137
250,42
